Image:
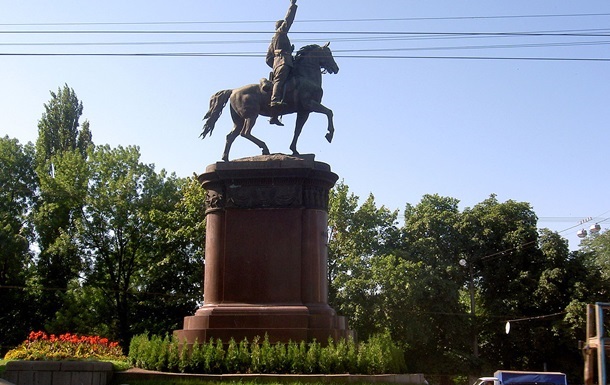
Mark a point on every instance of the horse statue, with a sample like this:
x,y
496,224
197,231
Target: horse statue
x,y
303,95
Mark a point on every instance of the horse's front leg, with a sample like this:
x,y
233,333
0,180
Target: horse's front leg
x,y
246,132
298,128
320,108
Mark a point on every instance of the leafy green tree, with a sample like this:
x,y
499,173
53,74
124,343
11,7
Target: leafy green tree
x,y
342,205
17,195
422,286
599,247
58,129
174,279
501,249
568,281
62,171
141,232
432,241
357,236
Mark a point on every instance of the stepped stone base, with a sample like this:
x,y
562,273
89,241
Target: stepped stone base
x,y
281,323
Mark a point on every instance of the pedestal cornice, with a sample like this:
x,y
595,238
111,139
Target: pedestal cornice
x,y
268,181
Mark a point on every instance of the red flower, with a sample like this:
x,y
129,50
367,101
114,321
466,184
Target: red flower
x,y
72,345
39,335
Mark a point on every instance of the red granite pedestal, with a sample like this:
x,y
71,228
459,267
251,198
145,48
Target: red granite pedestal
x,y
266,252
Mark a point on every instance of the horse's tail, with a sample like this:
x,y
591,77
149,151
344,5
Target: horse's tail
x,y
217,103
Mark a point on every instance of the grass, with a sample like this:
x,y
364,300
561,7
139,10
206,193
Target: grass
x,y
120,365
199,382
160,382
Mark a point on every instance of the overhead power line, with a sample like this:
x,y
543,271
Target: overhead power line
x,y
327,33
571,15
245,55
213,42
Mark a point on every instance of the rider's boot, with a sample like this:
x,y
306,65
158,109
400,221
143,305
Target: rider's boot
x,y
276,112
276,121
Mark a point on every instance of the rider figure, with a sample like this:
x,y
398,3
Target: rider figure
x,y
279,57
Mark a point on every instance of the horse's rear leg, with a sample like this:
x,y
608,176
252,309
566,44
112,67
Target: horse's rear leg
x,y
230,139
246,132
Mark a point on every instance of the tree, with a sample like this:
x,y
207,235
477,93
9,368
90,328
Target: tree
x,y
141,231
431,240
174,279
501,248
58,129
599,247
421,283
358,235
568,282
62,171
17,196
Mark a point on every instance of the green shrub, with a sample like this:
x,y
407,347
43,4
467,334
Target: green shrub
x,y
255,356
184,363
137,348
312,358
295,357
197,359
173,356
268,363
376,356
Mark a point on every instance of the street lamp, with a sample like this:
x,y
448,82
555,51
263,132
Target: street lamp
x,y
594,229
475,342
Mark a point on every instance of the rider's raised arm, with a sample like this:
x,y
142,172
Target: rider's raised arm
x,y
289,19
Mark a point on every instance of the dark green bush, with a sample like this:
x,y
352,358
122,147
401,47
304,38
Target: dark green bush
x,y
376,356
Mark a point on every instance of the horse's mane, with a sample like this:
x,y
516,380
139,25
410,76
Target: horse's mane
x,y
303,51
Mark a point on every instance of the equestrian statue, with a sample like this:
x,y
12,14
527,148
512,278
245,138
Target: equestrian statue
x,y
295,87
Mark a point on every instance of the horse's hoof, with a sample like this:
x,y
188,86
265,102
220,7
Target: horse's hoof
x,y
329,137
266,152
225,158
295,153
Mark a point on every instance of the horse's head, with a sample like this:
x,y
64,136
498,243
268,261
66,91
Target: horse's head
x,y
316,55
327,60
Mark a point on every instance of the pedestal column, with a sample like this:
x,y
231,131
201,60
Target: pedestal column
x,y
266,252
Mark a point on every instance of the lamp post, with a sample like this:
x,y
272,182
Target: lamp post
x,y
594,229
475,340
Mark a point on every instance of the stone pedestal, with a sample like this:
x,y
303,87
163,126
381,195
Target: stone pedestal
x,y
266,252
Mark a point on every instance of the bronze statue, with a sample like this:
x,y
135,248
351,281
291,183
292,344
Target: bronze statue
x,y
303,95
279,58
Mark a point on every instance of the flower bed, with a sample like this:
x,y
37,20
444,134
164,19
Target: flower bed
x,y
41,346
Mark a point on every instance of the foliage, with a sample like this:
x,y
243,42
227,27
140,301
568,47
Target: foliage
x,y
417,283
93,241
17,194
598,246
436,321
141,229
357,235
40,346
376,356
61,168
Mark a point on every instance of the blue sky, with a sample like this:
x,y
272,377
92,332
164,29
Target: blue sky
x,y
453,97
